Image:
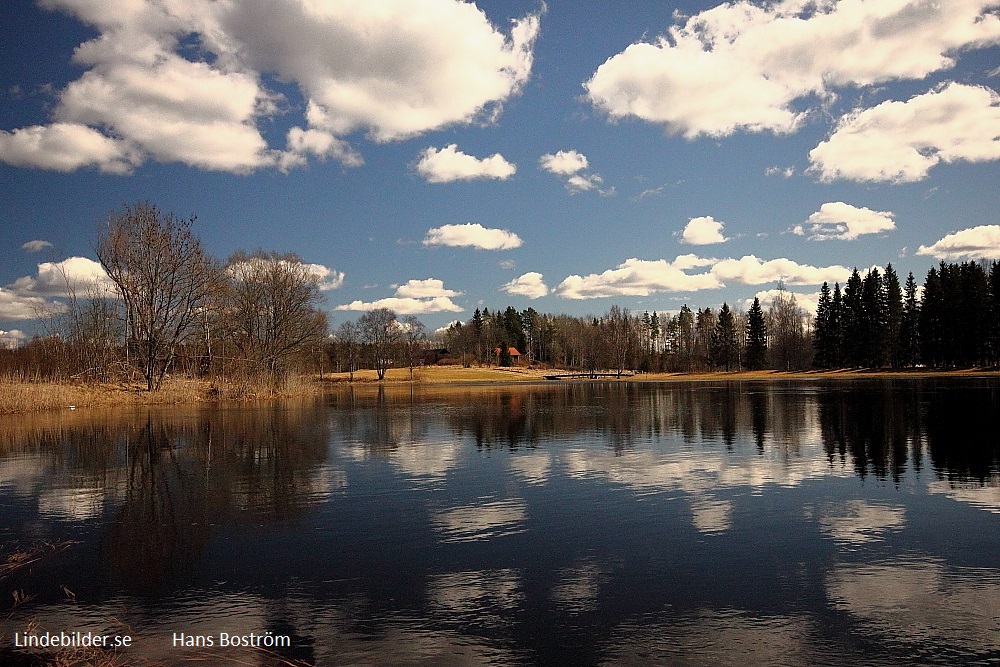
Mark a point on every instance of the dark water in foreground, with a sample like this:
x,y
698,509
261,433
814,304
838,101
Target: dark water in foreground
x,y
713,523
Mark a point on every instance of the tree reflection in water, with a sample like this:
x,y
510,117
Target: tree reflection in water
x,y
184,475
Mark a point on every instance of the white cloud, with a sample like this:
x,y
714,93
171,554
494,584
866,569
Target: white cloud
x,y
35,246
382,67
807,302
14,306
415,297
837,220
981,242
406,306
424,289
449,164
745,67
319,144
749,270
327,277
65,147
570,165
787,172
530,285
703,231
11,339
899,142
77,274
583,182
563,163
636,277
472,235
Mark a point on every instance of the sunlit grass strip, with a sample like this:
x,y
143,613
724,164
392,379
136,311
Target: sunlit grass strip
x,y
19,395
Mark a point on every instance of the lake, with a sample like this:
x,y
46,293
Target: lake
x,y
692,523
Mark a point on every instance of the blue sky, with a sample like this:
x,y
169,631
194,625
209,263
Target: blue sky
x,y
563,156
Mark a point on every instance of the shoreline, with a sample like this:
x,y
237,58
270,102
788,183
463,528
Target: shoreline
x,y
20,396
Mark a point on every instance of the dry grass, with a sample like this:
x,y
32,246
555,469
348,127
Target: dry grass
x,y
24,557
18,395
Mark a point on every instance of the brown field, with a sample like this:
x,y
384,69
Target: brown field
x,y
24,395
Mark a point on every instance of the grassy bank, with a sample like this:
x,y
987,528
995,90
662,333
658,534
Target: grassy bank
x,y
19,395
23,395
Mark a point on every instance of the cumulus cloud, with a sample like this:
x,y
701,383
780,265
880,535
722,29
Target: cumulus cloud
x,y
14,306
749,270
571,165
982,242
415,297
899,142
563,163
382,68
636,277
807,302
448,164
837,220
747,67
327,278
65,147
530,285
472,235
703,231
35,246
79,275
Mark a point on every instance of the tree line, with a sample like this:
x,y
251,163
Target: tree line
x,y
951,321
172,308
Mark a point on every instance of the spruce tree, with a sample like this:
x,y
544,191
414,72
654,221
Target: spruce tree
x,y
853,318
909,335
893,317
822,328
756,338
837,336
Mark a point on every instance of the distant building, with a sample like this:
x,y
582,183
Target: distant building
x,y
515,356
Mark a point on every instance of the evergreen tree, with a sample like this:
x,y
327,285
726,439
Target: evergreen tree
x,y
853,317
725,349
871,329
822,331
994,315
756,337
837,335
893,317
909,339
931,320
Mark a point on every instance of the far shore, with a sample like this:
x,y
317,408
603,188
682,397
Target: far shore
x,y
21,395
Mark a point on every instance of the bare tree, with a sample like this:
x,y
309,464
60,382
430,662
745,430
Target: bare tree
x,y
270,309
414,334
786,327
163,279
380,330
349,335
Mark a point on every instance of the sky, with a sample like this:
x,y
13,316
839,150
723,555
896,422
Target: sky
x,y
434,156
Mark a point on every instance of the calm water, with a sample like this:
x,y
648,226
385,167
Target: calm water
x,y
702,524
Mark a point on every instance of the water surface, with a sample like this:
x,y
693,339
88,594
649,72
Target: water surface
x,y
843,523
